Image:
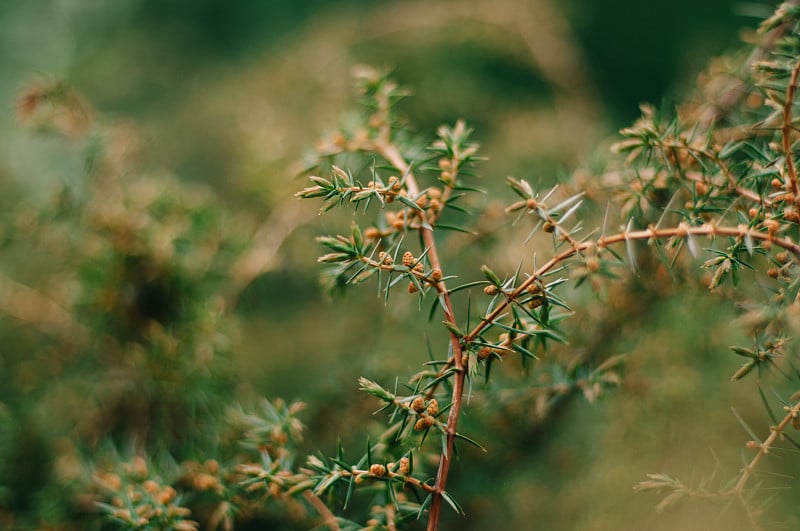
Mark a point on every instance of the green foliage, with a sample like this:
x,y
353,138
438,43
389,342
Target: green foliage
x,y
704,172
126,411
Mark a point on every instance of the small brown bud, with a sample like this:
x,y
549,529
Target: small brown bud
x,y
447,178
377,470
393,184
790,214
372,233
204,481
435,205
151,486
776,183
436,274
418,404
531,203
484,353
434,193
548,227
445,163
419,267
772,225
490,289
424,422
592,264
387,259
752,445
782,257
754,100
535,303
433,407
422,201
123,514
753,213
774,272
412,288
700,188
534,288
408,259
111,481
403,466
167,495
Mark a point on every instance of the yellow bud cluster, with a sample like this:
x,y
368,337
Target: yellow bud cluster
x,y
424,422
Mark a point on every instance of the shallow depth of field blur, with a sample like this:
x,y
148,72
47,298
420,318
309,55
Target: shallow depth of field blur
x,y
208,110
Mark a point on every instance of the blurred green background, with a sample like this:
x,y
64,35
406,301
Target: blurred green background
x,y
231,95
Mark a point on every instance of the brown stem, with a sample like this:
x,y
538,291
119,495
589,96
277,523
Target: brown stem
x,y
707,229
726,171
741,190
786,132
763,449
682,230
390,153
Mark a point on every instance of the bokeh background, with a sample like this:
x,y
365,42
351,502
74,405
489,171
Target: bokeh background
x,y
230,96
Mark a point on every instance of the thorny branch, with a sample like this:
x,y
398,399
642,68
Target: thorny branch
x,y
682,231
786,133
390,153
792,413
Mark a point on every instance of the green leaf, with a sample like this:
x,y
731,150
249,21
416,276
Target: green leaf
x,y
424,505
744,370
490,276
364,384
452,502
467,285
744,426
444,376
332,258
525,352
408,202
472,442
351,487
358,237
327,483
455,330
336,243
455,228
746,352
